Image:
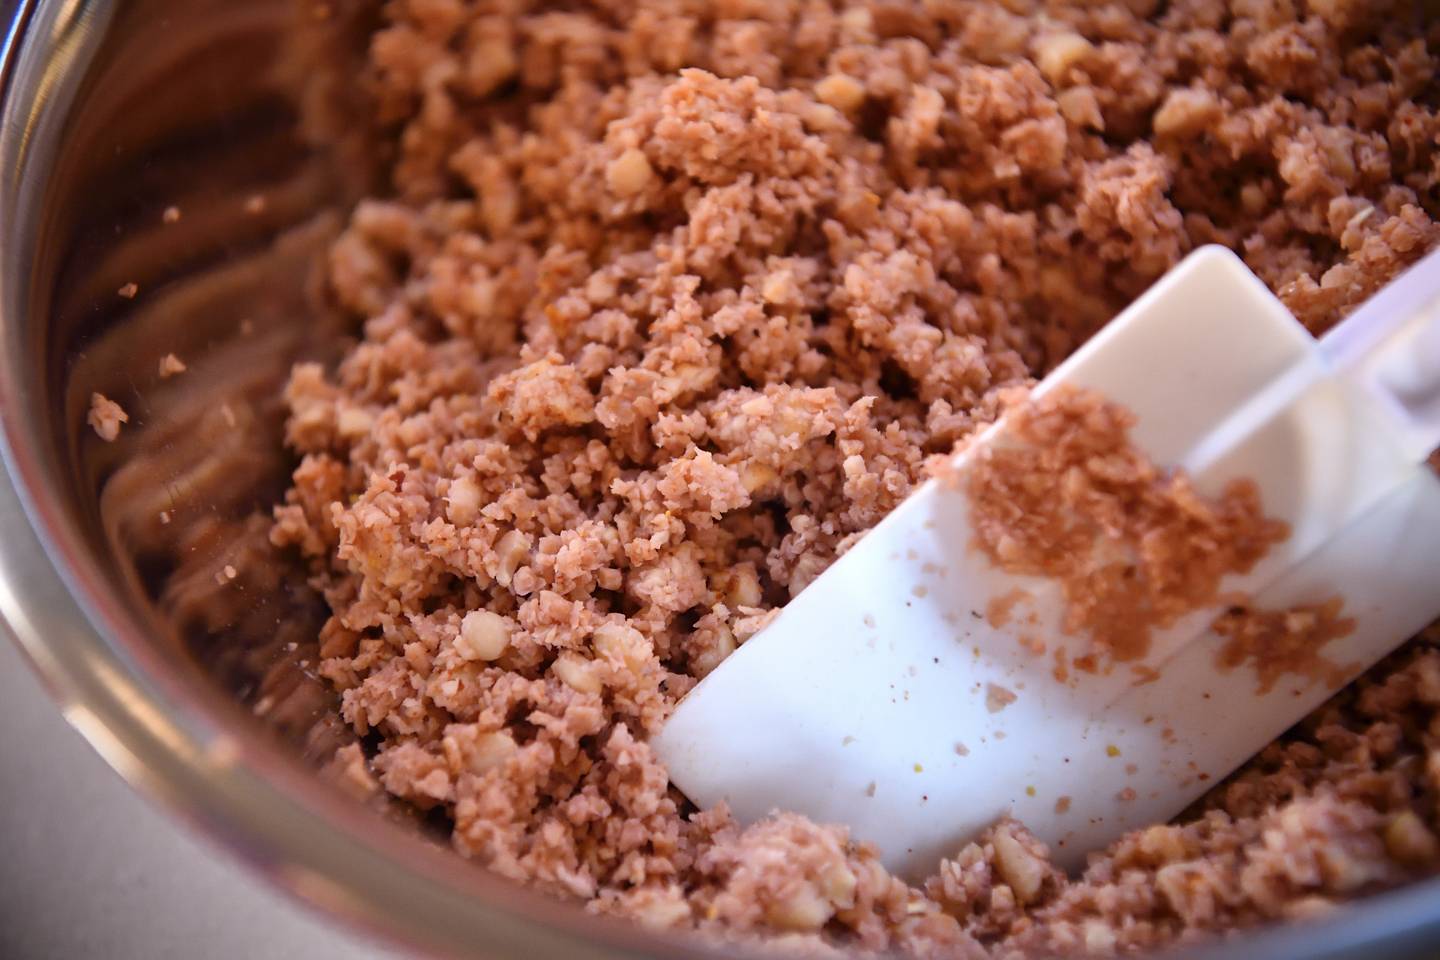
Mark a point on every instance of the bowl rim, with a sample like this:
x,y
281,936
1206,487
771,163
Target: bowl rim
x,y
165,737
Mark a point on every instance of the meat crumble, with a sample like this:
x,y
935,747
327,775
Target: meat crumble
x,y
668,303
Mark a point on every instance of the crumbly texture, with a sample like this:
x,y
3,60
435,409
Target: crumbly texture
x,y
1062,493
1280,642
105,417
667,304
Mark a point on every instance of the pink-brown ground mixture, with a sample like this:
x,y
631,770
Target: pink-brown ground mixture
x,y
669,302
1065,478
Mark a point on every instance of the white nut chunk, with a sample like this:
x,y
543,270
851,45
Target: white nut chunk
x,y
577,674
483,635
743,589
1022,870
840,91
1056,53
802,910
354,422
1186,113
462,503
838,883
755,475
624,644
713,655
512,552
470,751
629,173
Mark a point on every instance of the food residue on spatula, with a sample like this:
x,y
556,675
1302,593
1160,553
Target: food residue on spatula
x,y
1280,642
1062,492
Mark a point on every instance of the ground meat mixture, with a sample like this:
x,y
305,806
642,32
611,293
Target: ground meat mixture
x,y
669,302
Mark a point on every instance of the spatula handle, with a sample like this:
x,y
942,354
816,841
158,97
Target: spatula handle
x,y
1390,347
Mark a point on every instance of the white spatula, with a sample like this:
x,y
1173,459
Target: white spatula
x,y
865,702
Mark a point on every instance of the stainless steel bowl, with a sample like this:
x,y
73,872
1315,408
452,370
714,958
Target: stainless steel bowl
x,y
189,680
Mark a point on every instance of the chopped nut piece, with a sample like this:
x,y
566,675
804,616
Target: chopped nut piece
x,y
470,750
629,173
841,91
106,416
714,655
838,884
1410,841
462,503
483,635
1081,107
803,910
623,644
577,674
354,423
1018,867
1056,53
512,551
755,477
1186,113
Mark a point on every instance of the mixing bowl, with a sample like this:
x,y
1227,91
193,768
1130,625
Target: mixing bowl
x,y
172,169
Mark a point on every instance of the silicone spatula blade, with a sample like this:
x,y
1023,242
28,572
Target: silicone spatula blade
x,y
869,700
